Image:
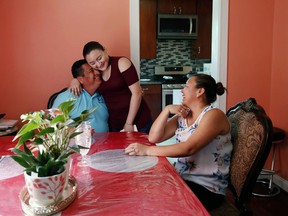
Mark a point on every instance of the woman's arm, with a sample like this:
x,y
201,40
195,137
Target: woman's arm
x,y
135,102
213,123
75,87
163,127
136,96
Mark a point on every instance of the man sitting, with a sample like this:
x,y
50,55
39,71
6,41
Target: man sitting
x,y
90,80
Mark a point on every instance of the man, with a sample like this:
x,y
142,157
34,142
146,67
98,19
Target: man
x,y
90,80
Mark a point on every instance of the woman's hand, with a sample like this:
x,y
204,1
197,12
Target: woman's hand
x,y
75,87
128,127
180,110
137,149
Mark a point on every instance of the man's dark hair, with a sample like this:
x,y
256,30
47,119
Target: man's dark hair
x,y
77,69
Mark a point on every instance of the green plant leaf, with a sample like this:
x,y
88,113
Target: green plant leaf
x,y
27,157
58,118
25,137
46,131
27,150
38,141
20,161
30,126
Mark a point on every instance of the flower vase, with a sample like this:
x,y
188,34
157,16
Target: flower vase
x,y
45,191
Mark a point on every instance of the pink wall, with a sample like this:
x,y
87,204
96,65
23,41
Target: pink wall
x,y
40,40
258,63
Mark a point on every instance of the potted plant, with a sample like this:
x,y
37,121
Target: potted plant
x,y
45,138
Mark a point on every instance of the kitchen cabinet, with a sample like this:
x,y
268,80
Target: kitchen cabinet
x,y
148,21
177,6
152,94
202,47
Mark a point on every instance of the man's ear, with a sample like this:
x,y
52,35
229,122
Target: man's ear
x,y
80,79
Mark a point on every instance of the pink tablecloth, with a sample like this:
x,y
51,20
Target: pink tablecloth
x,y
116,184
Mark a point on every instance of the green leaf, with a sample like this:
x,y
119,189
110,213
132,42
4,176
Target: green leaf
x,y
38,141
46,131
25,137
20,161
30,126
58,118
27,157
27,150
66,107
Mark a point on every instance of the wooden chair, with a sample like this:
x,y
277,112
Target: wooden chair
x,y
53,97
251,131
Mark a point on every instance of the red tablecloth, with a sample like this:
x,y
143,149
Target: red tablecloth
x,y
137,186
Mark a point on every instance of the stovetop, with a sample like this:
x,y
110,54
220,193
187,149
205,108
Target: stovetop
x,y
171,79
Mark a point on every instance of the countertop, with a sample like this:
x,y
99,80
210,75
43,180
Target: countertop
x,y
149,82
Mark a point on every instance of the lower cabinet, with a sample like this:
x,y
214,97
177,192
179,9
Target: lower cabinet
x,y
152,94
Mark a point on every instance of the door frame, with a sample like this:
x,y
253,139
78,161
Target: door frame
x,y
219,47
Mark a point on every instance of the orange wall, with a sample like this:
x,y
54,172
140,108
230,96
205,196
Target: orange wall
x,y
258,62
279,81
40,40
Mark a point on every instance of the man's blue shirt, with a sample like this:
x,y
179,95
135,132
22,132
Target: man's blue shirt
x,y
98,119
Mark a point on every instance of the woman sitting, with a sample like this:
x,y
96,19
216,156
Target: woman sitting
x,y
203,139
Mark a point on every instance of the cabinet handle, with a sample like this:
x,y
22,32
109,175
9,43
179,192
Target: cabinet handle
x,y
145,89
174,10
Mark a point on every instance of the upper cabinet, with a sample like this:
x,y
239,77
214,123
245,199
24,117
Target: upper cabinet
x,y
148,25
177,6
202,47
148,21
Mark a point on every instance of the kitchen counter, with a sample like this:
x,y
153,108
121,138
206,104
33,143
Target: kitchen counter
x,y
149,81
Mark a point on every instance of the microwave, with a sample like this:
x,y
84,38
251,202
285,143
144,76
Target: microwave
x,y
177,26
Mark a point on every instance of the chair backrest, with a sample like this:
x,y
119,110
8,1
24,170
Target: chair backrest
x,y
53,97
251,131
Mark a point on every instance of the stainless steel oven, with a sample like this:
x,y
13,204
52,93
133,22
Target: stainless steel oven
x,y
173,79
171,94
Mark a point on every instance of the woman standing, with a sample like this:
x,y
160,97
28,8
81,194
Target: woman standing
x,y
203,140
120,88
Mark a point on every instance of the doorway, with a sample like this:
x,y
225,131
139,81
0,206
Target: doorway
x,y
219,42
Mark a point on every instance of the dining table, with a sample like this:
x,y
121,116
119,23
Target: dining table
x,y
113,183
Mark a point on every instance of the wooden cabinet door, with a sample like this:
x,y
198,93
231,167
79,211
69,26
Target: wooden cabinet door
x,y
148,29
177,6
202,47
152,94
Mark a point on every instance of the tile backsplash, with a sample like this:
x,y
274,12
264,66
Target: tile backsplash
x,y
173,52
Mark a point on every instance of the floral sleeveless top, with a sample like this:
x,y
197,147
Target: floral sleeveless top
x,y
208,167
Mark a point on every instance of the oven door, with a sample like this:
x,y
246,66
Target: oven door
x,y
167,97
171,96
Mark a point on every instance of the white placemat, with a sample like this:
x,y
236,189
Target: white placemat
x,y
116,161
9,168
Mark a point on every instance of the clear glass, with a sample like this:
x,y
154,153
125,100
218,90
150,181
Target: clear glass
x,y
84,140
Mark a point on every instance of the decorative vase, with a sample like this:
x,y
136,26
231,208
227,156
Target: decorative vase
x,y
45,191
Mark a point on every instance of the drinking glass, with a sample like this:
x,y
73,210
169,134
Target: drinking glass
x,y
84,139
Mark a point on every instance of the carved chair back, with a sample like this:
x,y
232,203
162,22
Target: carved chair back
x,y
251,131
